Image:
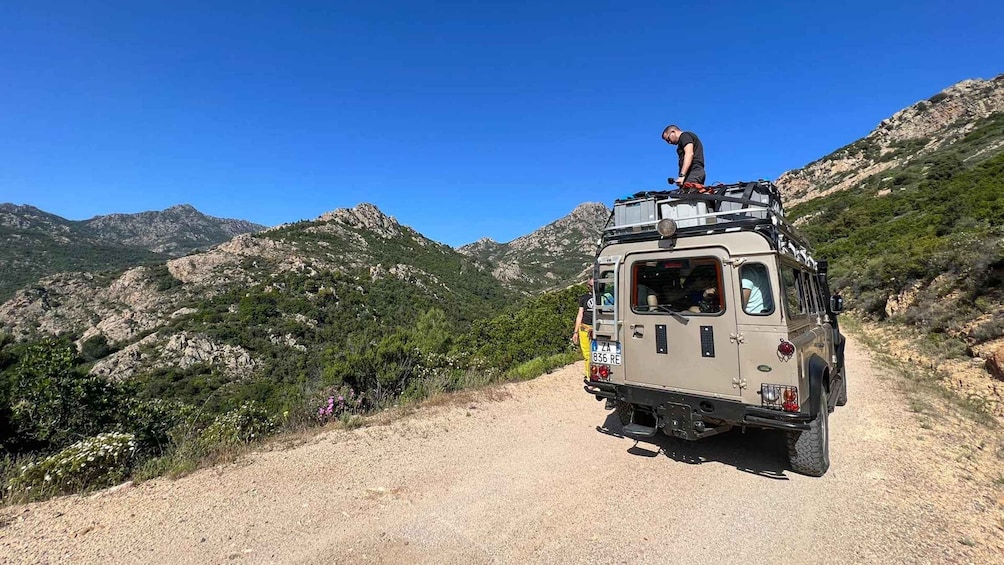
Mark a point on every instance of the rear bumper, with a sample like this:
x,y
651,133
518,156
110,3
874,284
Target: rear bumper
x,y
701,408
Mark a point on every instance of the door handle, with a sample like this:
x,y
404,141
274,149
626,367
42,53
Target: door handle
x,y
637,331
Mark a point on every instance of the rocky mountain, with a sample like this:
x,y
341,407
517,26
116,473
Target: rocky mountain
x,y
174,231
262,302
908,135
36,243
554,255
29,218
911,218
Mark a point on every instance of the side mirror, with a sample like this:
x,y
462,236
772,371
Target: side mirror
x,y
836,304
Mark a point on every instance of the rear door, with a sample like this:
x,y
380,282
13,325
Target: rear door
x,y
679,325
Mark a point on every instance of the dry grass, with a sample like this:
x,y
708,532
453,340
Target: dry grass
x,y
930,380
945,411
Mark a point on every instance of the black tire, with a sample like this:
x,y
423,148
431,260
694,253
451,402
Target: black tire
x,y
842,393
809,451
625,411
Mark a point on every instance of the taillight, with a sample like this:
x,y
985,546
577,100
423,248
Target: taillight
x,y
785,349
599,372
790,403
779,397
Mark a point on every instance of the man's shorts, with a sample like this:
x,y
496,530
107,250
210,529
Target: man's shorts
x,y
695,175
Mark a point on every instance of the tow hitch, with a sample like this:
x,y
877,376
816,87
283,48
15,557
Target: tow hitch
x,y
682,421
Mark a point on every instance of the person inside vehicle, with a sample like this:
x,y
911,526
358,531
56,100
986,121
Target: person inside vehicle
x,y
647,298
701,286
708,303
756,295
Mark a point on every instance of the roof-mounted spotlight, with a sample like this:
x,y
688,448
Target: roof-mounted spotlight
x,y
666,227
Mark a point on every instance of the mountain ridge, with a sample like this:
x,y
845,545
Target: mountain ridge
x,y
917,130
38,243
554,255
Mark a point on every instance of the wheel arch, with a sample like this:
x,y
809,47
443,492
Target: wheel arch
x,y
819,378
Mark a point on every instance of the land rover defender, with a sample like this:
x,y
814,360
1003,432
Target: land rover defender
x,y
721,318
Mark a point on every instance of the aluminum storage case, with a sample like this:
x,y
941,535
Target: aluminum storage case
x,y
635,212
686,214
758,194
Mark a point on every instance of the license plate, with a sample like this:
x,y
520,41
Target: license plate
x,y
606,352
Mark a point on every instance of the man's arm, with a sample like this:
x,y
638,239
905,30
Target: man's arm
x,y
688,159
575,330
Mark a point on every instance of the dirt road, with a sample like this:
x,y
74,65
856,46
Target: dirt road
x,y
539,473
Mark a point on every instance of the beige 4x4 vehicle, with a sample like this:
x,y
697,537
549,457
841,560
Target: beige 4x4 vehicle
x,y
712,314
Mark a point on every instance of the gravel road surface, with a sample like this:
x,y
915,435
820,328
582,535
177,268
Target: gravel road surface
x,y
538,472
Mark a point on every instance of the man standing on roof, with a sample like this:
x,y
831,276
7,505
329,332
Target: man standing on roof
x,y
690,150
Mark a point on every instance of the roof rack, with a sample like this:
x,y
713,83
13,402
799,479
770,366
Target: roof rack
x,y
754,206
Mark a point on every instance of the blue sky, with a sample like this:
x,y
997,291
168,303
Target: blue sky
x,y
462,119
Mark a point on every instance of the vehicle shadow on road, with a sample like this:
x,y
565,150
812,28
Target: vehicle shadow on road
x,y
758,452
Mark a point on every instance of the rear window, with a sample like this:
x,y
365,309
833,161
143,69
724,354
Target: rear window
x,y
689,286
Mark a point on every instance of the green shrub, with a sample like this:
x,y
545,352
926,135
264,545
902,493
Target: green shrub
x,y
95,462
240,426
987,331
539,328
53,404
152,422
96,347
162,277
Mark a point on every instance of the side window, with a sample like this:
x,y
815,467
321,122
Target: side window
x,y
817,304
688,286
809,291
788,278
757,295
803,291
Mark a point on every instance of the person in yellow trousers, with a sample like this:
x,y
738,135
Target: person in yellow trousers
x,y
584,324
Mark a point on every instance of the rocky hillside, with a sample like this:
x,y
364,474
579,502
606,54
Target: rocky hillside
x,y
36,243
911,218
918,130
260,303
554,255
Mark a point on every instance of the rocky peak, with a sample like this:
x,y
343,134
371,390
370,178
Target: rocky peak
x,y
26,217
482,248
922,127
365,216
578,230
551,256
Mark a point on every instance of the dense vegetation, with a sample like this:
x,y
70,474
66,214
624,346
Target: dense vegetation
x,y
934,225
28,255
357,348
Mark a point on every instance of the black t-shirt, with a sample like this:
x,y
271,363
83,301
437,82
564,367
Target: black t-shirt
x,y
586,302
681,143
